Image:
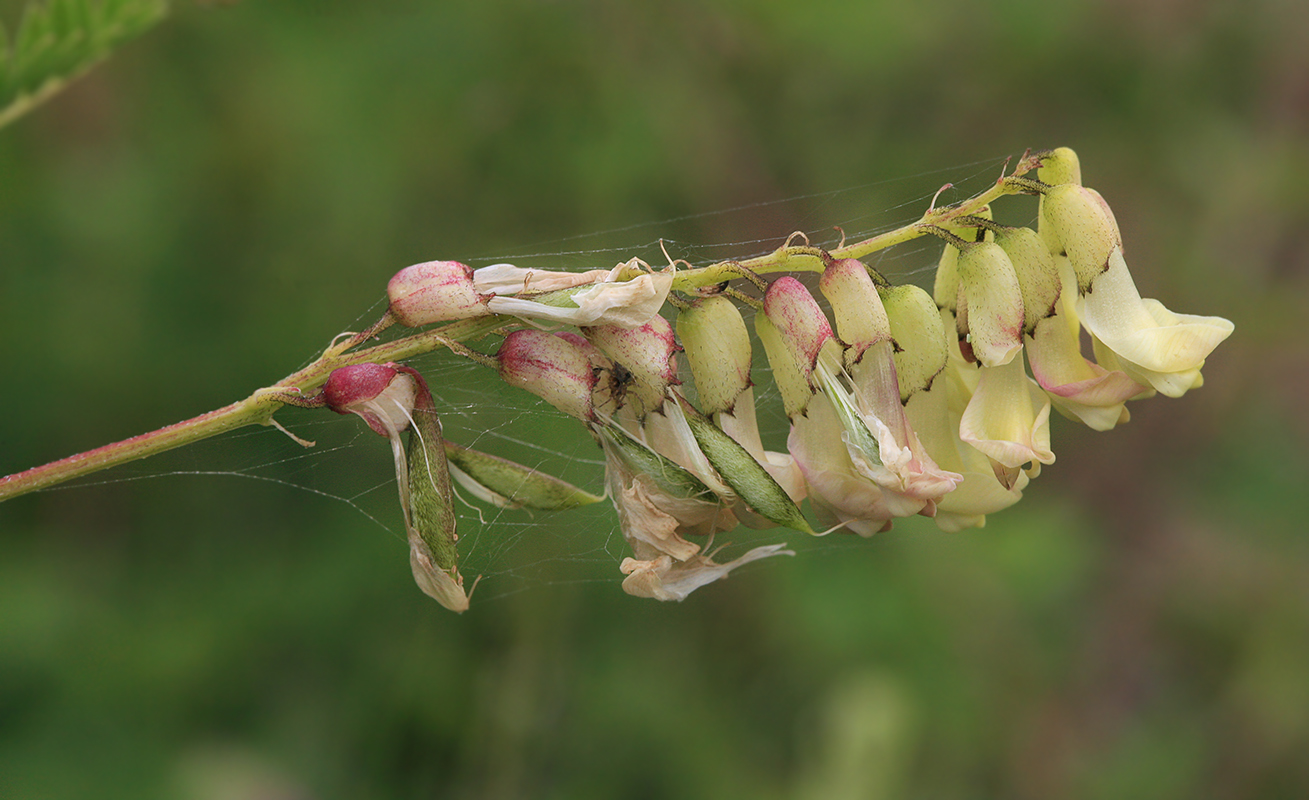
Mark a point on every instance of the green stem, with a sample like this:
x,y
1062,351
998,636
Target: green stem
x,y
258,408
804,258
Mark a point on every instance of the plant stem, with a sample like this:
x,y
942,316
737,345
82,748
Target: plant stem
x,y
258,408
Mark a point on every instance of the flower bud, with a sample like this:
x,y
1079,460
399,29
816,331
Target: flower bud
x,y
1037,273
990,304
717,346
945,287
436,291
860,318
797,317
919,335
381,394
1059,166
1076,222
646,353
552,367
792,384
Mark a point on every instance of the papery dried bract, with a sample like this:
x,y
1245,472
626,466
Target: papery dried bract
x,y
664,578
627,303
502,279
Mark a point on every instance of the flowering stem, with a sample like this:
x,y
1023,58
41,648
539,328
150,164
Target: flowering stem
x,y
258,408
804,258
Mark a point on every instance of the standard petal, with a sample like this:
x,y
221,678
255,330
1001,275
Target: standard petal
x,y
1151,341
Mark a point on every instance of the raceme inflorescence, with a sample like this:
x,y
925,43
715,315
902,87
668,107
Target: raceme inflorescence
x,y
900,402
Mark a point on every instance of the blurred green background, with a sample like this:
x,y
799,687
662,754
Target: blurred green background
x,y
202,213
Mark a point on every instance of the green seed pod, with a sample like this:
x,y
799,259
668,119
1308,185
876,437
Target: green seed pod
x,y
430,515
748,479
512,485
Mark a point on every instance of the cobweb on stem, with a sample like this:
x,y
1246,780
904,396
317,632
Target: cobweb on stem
x,y
515,550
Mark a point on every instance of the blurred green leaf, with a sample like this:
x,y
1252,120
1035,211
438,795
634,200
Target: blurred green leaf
x,y
59,40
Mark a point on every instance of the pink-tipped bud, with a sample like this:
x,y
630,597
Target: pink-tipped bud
x,y
647,353
383,395
860,317
799,320
437,291
551,367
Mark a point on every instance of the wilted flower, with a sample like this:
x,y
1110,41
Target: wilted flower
x,y
612,301
393,398
502,279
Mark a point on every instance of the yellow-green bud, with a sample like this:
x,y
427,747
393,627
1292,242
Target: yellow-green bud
x,y
919,334
990,304
717,347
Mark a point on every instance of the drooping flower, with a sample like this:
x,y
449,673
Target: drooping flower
x,y
860,460
1080,389
1151,344
393,398
1008,420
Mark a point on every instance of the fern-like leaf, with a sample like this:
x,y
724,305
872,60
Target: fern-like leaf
x,y
59,40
